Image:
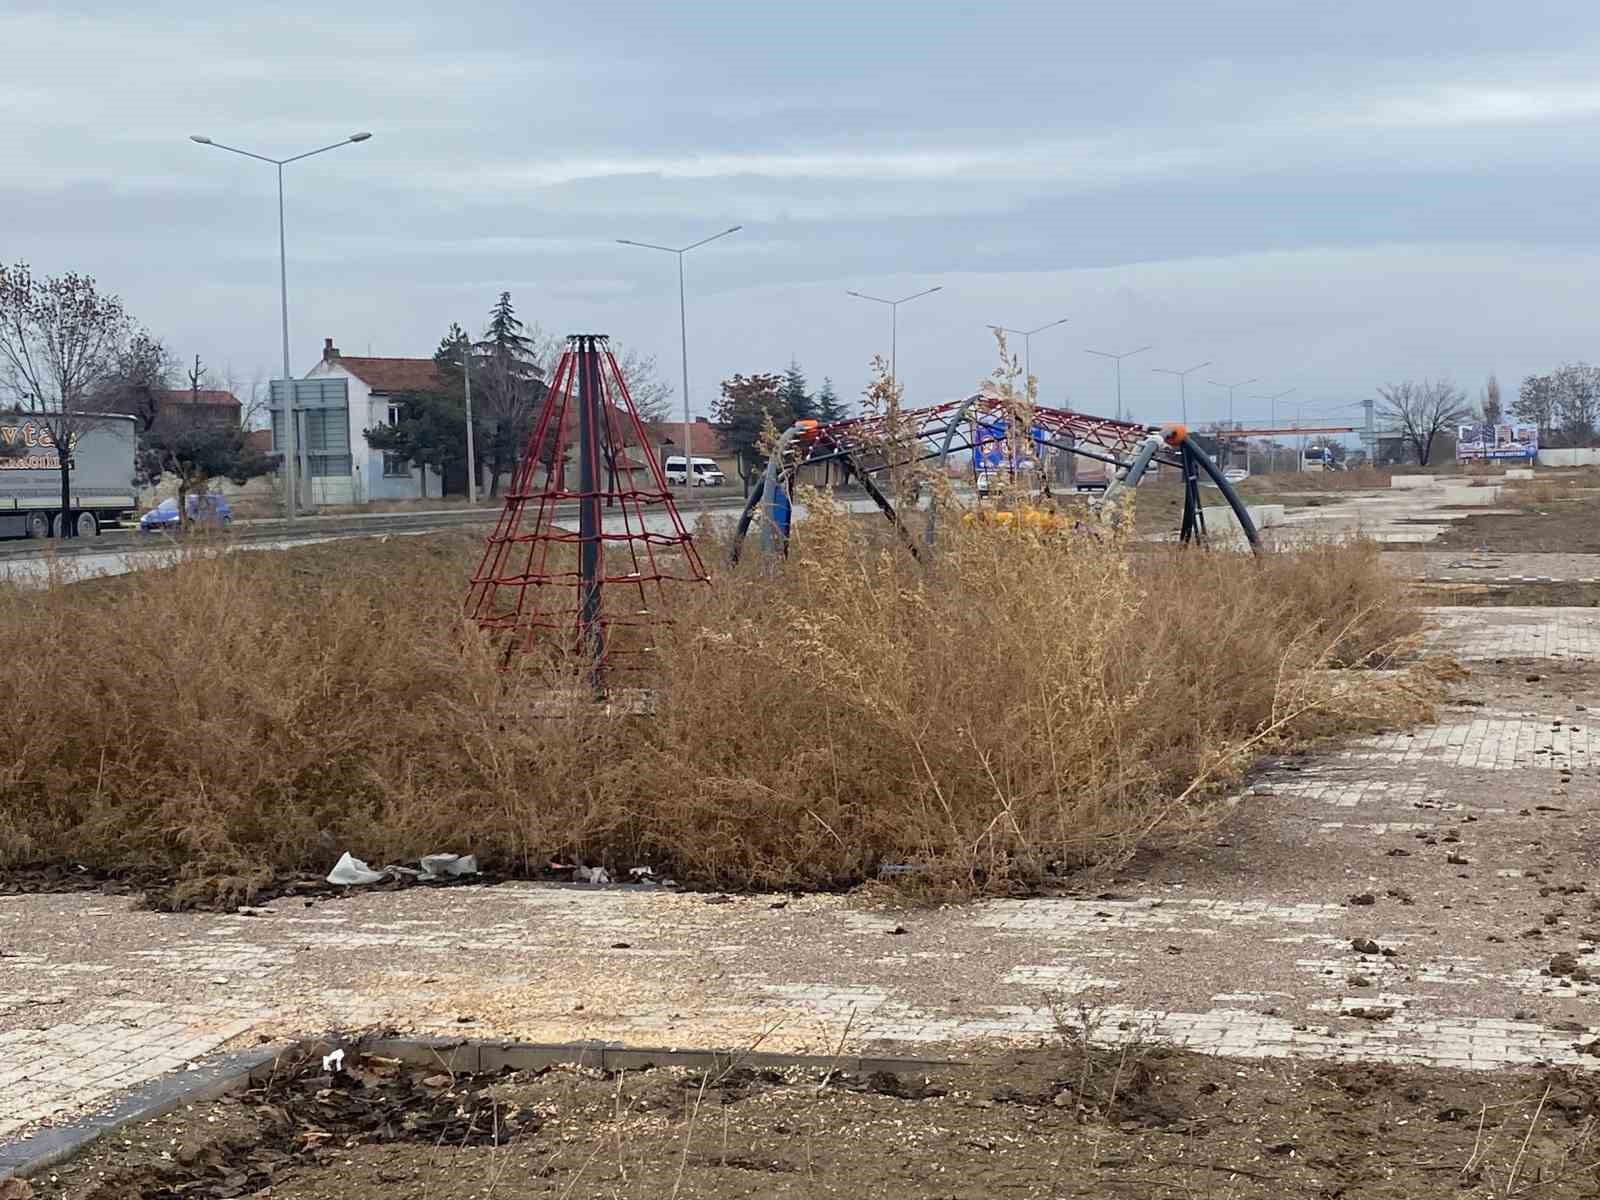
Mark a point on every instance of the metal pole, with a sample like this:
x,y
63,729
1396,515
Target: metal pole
x,y
589,631
894,342
683,337
1183,384
1119,389
472,454
291,464
683,346
291,471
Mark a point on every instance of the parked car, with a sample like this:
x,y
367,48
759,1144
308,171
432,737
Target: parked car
x,y
706,471
210,511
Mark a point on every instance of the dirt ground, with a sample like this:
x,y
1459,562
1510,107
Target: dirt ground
x,y
1138,1122
1566,525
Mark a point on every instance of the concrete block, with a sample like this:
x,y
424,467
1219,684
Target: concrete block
x,y
1477,497
1413,481
1219,517
1519,473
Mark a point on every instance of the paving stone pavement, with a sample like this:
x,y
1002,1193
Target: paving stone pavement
x,y
1466,850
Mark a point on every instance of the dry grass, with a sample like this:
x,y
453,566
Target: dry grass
x,y
1551,488
1020,706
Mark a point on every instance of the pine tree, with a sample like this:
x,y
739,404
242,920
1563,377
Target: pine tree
x,y
508,386
796,400
505,340
828,405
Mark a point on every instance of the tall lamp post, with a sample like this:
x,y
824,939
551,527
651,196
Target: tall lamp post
x,y
1119,358
683,337
1231,388
1027,342
894,320
1272,421
472,450
291,472
1183,383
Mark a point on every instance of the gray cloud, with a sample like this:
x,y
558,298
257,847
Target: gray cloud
x,y
1324,196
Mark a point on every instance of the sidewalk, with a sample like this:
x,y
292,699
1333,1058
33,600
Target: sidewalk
x,y
1471,848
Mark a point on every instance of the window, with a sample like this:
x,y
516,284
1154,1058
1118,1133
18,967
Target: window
x,y
394,465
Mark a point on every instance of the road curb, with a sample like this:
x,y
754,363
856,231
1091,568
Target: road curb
x,y
48,1146
26,1156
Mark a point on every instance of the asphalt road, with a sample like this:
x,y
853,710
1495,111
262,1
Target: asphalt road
x,y
120,550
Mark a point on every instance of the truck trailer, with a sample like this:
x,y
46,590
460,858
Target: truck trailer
x,y
101,482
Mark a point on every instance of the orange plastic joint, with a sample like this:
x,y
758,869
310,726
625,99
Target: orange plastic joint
x,y
1174,434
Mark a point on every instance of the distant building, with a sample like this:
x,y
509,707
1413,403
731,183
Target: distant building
x,y
202,404
374,391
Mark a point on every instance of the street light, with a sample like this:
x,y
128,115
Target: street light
x,y
290,466
1119,358
894,319
1232,387
1027,342
683,336
1272,420
1183,383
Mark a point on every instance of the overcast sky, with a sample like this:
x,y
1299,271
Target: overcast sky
x,y
1322,195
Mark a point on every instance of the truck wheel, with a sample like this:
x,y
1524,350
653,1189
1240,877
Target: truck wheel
x,y
87,525
38,525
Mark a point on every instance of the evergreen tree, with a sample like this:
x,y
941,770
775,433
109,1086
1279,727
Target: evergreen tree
x,y
505,340
507,386
431,434
828,405
796,400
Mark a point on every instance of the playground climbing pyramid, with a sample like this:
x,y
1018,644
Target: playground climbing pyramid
x,y
589,537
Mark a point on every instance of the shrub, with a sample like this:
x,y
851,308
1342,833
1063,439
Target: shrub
x,y
1020,705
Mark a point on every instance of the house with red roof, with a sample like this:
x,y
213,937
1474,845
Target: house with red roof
x,y
374,389
202,404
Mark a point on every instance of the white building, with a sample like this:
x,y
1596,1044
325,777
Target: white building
x,y
374,389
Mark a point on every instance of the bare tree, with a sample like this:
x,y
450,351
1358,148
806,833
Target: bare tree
x,y
1536,403
143,371
60,341
1422,411
1576,402
652,395
1490,407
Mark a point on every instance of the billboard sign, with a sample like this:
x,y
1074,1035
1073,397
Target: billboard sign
x,y
1483,441
989,445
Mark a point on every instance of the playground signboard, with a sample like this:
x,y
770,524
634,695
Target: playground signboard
x,y
1483,441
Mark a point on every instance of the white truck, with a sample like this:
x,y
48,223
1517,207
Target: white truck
x,y
101,483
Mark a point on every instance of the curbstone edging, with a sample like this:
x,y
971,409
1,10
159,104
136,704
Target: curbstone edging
x,y
22,1157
